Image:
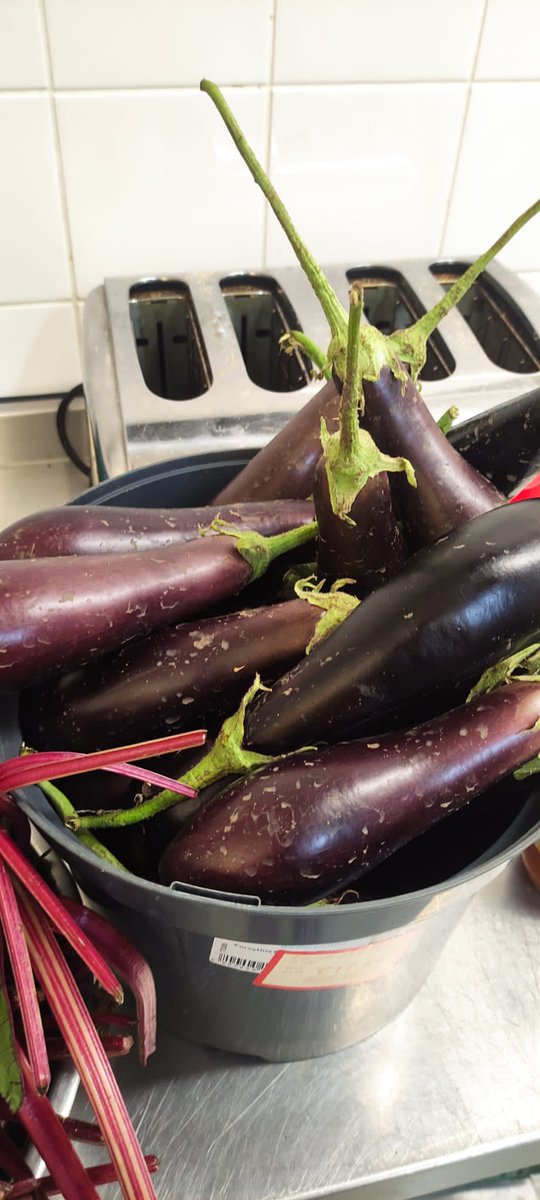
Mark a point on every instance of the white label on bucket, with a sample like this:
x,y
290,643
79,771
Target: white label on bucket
x,y
313,967
241,956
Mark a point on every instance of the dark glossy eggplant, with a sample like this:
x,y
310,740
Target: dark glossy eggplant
x,y
106,529
318,820
448,489
57,613
177,678
359,535
457,608
371,550
285,467
502,442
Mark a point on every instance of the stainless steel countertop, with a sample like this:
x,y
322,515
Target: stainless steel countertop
x,y
447,1095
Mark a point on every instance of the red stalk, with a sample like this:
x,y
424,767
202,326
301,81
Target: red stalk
x,y
12,1162
131,967
90,1060
60,917
48,1135
114,1045
133,772
100,1174
19,771
24,982
82,1131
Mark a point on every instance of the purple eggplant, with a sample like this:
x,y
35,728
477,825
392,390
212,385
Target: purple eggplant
x,y
448,489
457,608
285,467
371,550
359,535
105,529
318,820
57,613
177,678
502,442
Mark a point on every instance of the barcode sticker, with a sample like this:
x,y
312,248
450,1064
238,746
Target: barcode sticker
x,y
241,956
310,968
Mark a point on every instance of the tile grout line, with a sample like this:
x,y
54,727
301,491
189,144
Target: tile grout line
x,y
181,88
60,172
268,137
471,79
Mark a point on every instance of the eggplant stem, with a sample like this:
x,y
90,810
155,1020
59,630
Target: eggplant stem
x,y
334,312
447,419
226,757
410,344
352,396
503,671
69,815
259,551
295,340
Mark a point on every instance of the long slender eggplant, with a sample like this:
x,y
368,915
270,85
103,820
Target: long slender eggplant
x,y
285,467
105,529
359,535
448,489
177,678
318,820
502,442
456,608
57,613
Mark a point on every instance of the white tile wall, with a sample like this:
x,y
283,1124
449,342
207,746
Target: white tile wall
x,y
22,49
390,130
378,186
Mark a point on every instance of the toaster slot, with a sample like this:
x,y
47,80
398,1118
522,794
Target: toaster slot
x,y
504,333
170,346
390,304
261,313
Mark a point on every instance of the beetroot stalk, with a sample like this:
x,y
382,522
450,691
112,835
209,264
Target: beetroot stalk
x,y
49,1137
57,913
114,1045
100,1174
129,964
24,982
76,1027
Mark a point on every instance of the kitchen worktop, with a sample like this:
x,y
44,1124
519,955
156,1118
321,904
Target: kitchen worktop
x,y
445,1096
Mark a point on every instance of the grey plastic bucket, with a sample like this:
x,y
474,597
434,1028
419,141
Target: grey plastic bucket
x,y
289,983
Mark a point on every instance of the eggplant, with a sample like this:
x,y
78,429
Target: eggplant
x,y
359,535
457,608
502,442
448,489
285,467
57,613
182,677
369,549
294,832
106,529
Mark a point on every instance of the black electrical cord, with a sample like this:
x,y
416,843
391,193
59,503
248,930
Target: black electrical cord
x,y
61,428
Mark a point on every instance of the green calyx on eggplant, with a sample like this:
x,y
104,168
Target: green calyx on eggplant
x,y
359,534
